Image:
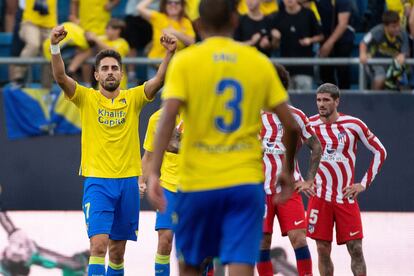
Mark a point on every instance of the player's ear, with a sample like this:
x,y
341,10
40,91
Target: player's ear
x,y
96,75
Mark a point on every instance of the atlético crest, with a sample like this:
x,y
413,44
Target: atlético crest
x,y
311,228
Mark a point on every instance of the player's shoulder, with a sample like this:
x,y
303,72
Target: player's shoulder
x,y
298,114
349,119
315,119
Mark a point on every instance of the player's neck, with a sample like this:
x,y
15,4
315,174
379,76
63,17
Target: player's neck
x,y
223,33
110,95
331,118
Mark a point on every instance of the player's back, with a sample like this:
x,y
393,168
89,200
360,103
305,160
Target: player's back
x,y
225,89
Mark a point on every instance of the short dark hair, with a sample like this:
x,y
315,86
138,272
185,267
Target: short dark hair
x,y
389,17
107,53
329,88
217,14
284,75
115,23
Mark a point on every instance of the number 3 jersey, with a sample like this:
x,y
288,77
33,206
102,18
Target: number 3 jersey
x,y
339,145
223,86
274,149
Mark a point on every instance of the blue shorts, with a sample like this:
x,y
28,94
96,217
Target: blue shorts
x,y
165,219
111,206
225,223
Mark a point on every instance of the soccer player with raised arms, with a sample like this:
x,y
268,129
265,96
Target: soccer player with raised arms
x,y
110,159
220,86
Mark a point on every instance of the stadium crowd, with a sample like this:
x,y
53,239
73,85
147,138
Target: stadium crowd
x,y
284,28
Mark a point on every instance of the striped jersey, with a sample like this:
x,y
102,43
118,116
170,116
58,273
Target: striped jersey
x,y
339,145
274,150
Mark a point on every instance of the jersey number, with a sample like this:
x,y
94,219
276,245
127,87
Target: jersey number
x,y
233,104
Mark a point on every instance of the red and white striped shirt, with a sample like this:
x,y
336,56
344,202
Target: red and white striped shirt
x,y
274,150
339,144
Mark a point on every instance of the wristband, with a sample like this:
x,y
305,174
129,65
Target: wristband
x,y
54,49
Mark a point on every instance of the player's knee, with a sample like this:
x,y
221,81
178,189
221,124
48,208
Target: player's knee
x,y
266,241
165,239
324,249
98,247
297,238
355,249
116,254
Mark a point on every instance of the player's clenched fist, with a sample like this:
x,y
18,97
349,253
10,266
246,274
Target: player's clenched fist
x,y
58,34
169,42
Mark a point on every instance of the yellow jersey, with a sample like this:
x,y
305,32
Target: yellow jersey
x,y
93,16
159,22
122,47
110,141
400,6
191,9
45,21
169,168
223,86
266,7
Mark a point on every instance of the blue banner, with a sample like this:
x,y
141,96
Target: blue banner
x,y
36,111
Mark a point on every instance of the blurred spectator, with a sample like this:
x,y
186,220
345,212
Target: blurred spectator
x,y
17,44
92,15
254,28
402,7
39,17
266,7
10,14
298,30
170,19
191,9
138,32
310,4
385,40
339,37
113,40
373,13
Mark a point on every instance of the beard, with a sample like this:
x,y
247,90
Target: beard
x,y
325,113
110,86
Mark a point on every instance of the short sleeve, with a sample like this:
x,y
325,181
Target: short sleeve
x,y
80,93
276,92
175,84
343,6
138,95
150,134
156,18
188,26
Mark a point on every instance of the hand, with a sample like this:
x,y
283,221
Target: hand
x,y
363,58
264,43
305,41
169,30
155,193
306,187
276,34
108,6
255,38
286,181
58,34
326,49
169,42
400,59
353,191
142,186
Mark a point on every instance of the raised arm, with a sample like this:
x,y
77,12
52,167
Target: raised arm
x,y
65,82
144,10
74,11
153,85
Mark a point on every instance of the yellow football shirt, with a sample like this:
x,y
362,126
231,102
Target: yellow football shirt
x,y
169,168
223,85
266,7
191,9
93,17
110,141
122,47
159,22
45,21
